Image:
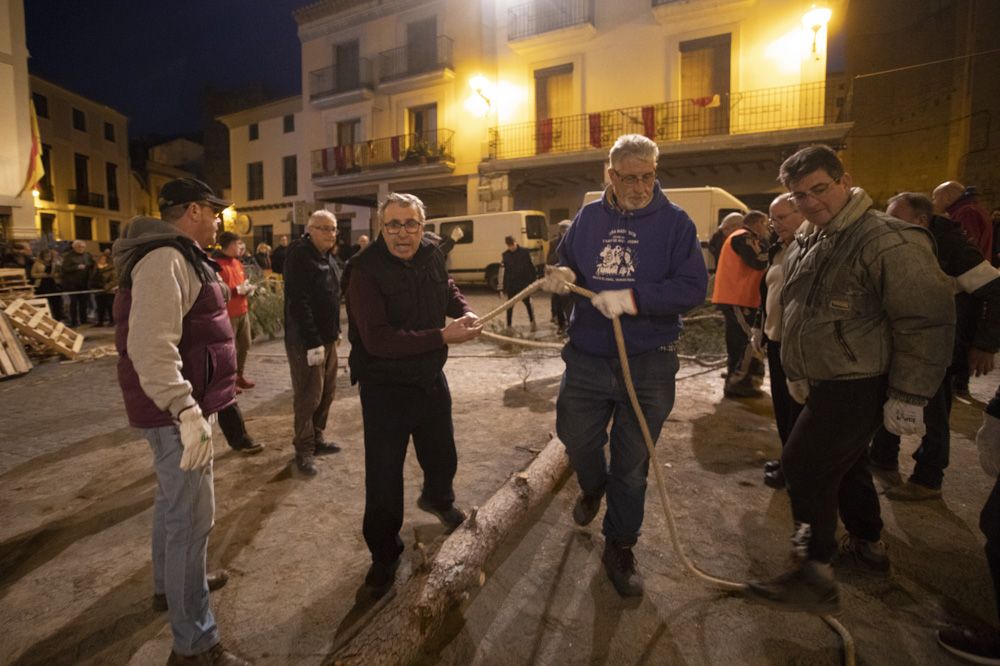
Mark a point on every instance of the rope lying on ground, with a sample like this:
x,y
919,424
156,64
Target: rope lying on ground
x,y
711,581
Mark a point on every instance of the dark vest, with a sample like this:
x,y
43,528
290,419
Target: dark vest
x,y
207,351
415,294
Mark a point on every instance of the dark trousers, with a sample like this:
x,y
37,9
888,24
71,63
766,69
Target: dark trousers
x,y
78,306
989,523
935,446
786,410
527,305
312,394
824,462
104,304
561,306
232,425
966,314
392,413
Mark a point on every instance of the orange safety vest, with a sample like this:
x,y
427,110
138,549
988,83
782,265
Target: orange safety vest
x,y
735,282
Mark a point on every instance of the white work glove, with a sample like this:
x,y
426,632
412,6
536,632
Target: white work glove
x,y
196,438
757,340
316,355
798,389
988,443
457,234
903,418
558,279
243,289
615,302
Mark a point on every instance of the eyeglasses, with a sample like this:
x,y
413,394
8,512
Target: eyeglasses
x,y
816,191
395,226
215,209
632,180
328,230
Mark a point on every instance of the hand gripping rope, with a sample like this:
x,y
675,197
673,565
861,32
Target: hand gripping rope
x,y
710,581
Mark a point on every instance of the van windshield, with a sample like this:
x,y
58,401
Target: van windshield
x,y
536,227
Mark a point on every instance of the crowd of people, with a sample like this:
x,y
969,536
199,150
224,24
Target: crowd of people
x,y
820,286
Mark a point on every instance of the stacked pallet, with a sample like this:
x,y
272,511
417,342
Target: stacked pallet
x,y
14,284
14,360
43,332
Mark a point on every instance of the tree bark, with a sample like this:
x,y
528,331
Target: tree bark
x,y
396,634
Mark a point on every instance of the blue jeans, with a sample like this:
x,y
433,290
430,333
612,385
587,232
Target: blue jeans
x,y
592,395
183,515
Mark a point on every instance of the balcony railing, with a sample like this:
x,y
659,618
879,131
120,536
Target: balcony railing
x,y
657,3
335,79
415,58
82,198
771,109
534,18
383,153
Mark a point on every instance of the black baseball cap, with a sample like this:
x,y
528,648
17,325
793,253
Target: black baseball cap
x,y
187,190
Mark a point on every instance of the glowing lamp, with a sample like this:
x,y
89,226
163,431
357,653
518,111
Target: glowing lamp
x,y
816,19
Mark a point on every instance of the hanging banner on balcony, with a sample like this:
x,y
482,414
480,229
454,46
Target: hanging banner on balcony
x,y
649,121
545,135
710,102
595,130
35,168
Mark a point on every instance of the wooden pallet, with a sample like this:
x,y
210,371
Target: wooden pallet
x,y
14,360
14,284
43,330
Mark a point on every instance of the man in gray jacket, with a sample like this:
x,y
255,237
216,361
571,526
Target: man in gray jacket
x,y
859,351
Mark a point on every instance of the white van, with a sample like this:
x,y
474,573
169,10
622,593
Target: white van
x,y
706,206
476,258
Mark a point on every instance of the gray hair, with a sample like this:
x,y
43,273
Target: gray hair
x,y
404,200
173,213
321,216
920,203
634,145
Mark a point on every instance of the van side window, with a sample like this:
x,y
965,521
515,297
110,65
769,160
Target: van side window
x,y
466,225
536,227
726,211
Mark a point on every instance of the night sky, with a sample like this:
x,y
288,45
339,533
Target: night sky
x,y
152,60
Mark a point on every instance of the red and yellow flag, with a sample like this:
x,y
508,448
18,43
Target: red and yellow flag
x,y
35,168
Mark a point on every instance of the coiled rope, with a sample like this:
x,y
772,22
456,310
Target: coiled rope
x,y
711,581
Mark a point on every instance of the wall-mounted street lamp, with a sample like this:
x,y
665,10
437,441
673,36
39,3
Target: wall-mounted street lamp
x,y
480,100
816,19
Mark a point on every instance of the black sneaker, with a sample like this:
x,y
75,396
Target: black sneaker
x,y
586,507
325,448
619,563
306,464
450,517
249,447
866,555
977,646
775,478
772,465
805,588
215,656
380,577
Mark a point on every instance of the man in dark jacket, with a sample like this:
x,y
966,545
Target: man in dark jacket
x,y
518,272
77,267
278,256
975,276
398,295
170,319
312,326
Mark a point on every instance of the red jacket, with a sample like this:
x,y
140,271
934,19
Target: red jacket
x,y
232,274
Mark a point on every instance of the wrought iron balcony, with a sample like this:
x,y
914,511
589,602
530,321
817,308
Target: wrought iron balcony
x,y
83,198
334,80
415,58
745,112
384,153
657,3
535,18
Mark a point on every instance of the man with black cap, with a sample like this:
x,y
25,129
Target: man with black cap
x,y
177,369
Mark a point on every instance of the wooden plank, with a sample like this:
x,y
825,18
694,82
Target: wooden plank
x,y
39,304
36,318
12,350
57,331
77,344
40,329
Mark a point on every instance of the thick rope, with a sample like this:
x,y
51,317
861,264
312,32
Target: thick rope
x,y
711,581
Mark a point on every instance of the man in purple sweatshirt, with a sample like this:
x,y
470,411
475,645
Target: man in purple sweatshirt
x,y
641,254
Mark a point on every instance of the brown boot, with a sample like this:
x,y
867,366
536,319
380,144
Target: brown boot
x,y
216,656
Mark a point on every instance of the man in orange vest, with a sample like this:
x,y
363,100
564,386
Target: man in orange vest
x,y
736,292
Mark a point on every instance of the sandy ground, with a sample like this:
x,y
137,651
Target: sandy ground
x,y
75,516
